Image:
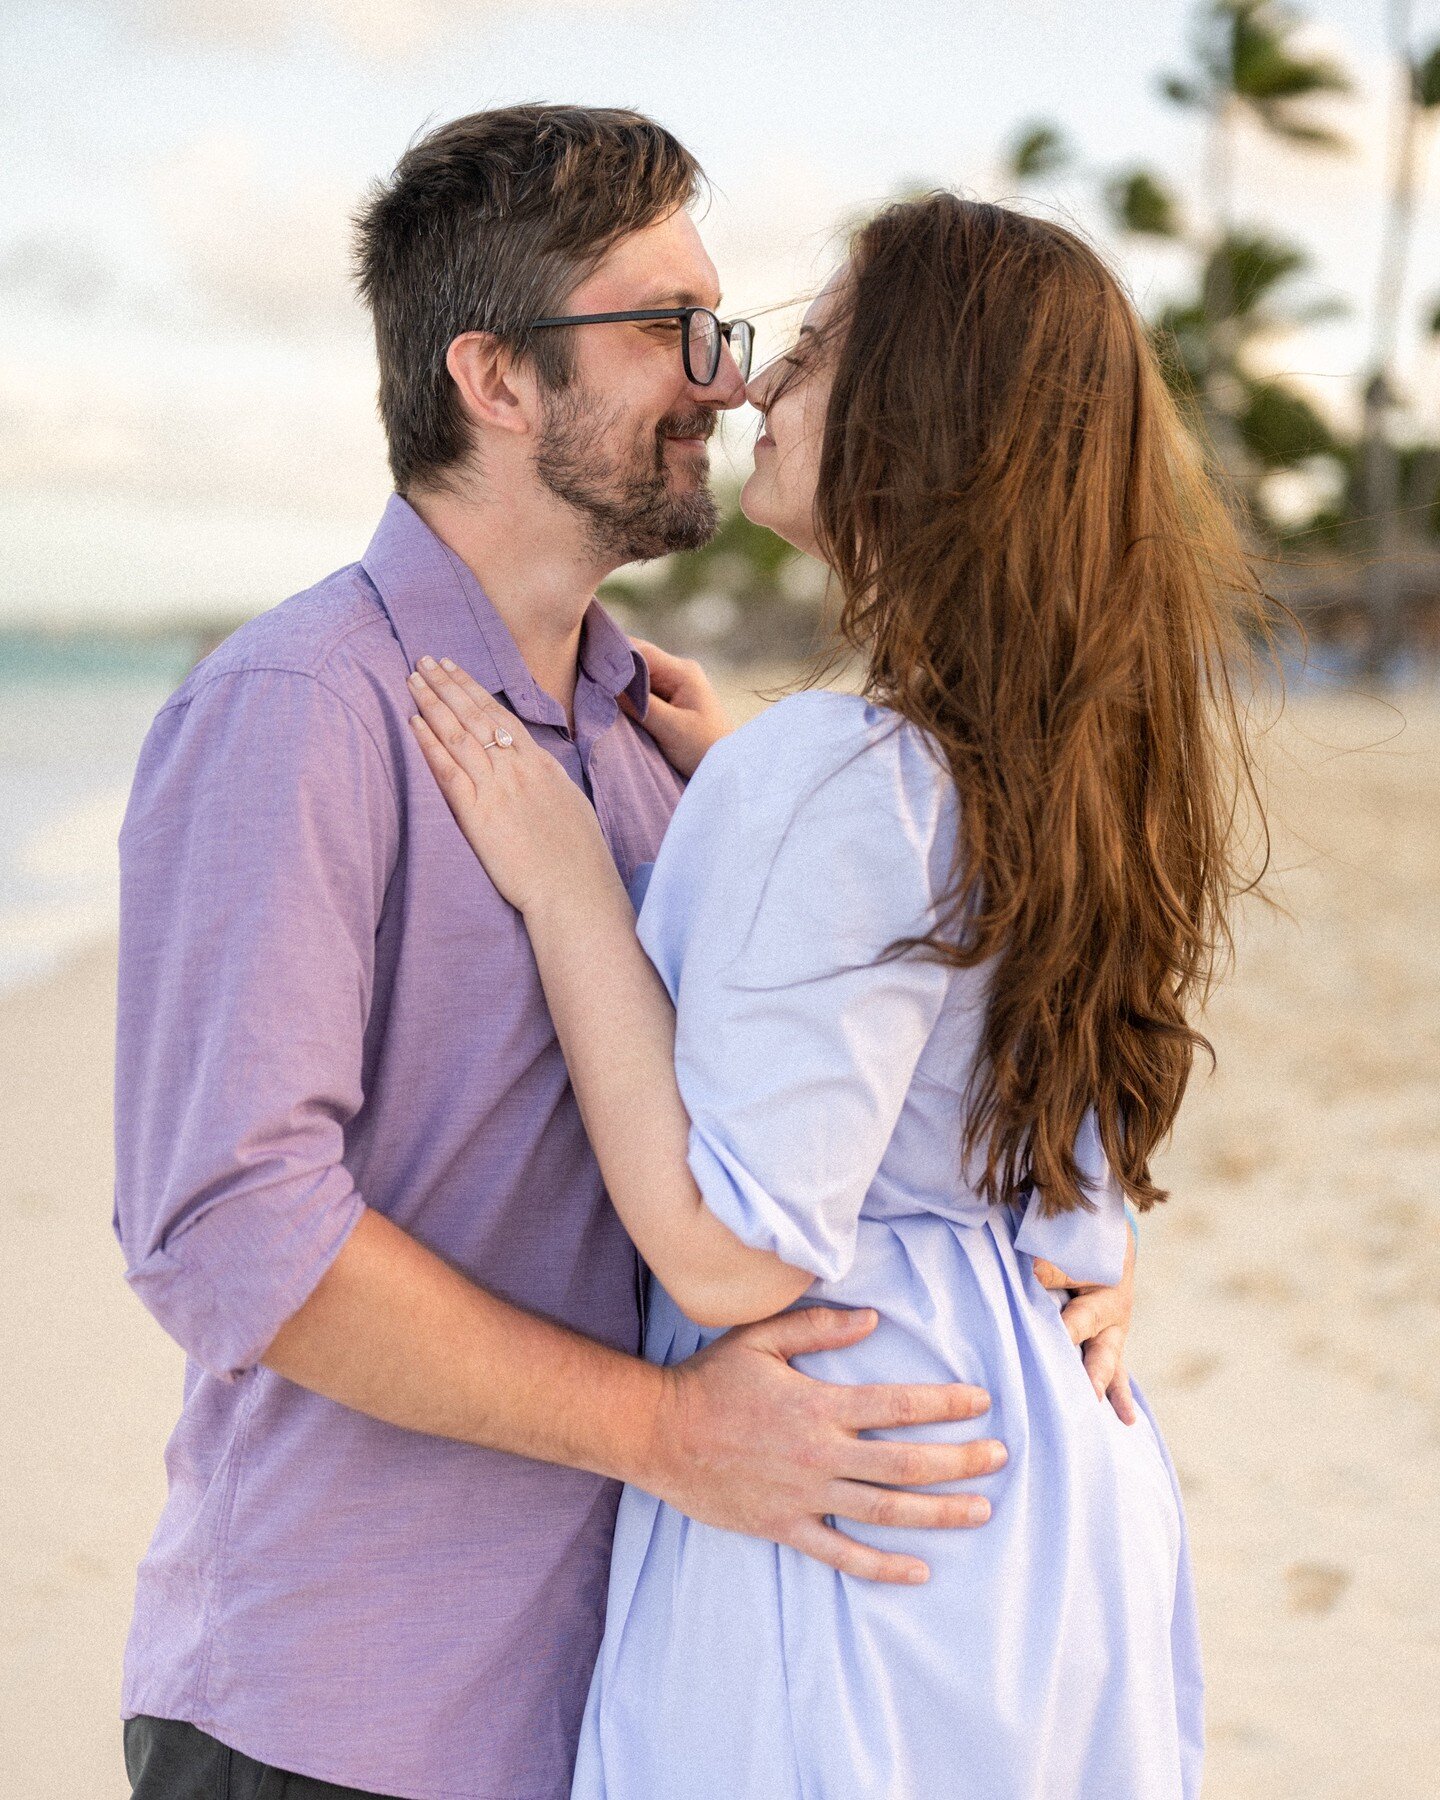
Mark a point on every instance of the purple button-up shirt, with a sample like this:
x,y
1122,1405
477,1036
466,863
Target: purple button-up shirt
x,y
324,1006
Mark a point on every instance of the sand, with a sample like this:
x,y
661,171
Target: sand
x,y
1289,1331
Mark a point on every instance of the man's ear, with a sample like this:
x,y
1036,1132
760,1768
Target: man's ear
x,y
494,390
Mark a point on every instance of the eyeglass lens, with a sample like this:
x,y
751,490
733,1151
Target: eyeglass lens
x,y
703,347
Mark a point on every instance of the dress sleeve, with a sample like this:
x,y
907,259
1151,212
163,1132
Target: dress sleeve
x,y
794,863
255,855
1088,1244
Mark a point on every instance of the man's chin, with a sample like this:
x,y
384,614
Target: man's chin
x,y
688,524
686,465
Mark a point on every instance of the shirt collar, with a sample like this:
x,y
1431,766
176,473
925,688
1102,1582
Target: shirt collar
x,y
611,661
438,608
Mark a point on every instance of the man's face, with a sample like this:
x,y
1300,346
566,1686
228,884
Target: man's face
x,y
626,442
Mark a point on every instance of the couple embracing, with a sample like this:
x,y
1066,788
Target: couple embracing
x,y
680,1357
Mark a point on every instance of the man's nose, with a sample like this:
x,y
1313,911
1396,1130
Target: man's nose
x,y
727,390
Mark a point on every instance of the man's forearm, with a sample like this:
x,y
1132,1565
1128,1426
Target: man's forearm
x,y
395,1332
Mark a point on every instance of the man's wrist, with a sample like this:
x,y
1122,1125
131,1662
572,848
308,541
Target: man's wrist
x,y
640,1441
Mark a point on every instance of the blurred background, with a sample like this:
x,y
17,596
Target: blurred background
x,y
187,435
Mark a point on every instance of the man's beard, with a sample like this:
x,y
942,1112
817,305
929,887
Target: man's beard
x,y
624,493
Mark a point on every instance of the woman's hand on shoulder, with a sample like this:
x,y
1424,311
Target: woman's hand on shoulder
x,y
530,825
686,716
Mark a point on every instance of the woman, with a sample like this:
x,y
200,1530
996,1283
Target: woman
x,y
930,951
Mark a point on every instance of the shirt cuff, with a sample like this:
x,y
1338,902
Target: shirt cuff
x,y
225,1284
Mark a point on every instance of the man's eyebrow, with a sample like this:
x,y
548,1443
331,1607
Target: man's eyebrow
x,y
684,297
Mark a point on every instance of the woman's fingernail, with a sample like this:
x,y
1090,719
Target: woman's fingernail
x,y
918,1575
427,662
445,663
415,681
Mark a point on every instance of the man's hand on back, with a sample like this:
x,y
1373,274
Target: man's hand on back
x,y
745,1442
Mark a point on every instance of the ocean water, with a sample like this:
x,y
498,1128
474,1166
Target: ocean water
x,y
73,716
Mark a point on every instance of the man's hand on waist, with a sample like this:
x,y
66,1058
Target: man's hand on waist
x,y
745,1442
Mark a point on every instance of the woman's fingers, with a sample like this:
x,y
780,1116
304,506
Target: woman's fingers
x,y
449,729
1103,1354
476,708
455,784
1122,1397
1094,1311
668,674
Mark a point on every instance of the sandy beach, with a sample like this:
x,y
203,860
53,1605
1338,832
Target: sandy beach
x,y
1289,1331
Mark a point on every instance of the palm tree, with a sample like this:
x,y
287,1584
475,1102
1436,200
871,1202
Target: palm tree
x,y
1416,108
1248,70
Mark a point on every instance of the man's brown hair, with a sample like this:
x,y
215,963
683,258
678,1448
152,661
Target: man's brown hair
x,y
487,224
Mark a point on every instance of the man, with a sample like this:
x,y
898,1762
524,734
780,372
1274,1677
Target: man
x,y
352,1179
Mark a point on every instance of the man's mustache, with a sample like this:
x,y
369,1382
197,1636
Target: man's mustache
x,y
700,423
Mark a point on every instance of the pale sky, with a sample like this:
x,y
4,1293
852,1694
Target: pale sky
x,y
186,390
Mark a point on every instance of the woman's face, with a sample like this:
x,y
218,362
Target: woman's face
x,y
793,393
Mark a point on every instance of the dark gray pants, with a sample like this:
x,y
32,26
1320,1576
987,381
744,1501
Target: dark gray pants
x,y
169,1760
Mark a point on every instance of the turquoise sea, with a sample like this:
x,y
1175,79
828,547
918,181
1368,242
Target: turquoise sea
x,y
73,715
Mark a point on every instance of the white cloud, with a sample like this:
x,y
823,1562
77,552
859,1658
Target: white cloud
x,y
261,256
298,439
380,30
45,269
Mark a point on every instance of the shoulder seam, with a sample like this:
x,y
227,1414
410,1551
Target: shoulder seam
x,y
184,700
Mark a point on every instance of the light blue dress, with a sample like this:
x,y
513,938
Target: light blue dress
x,y
1053,1654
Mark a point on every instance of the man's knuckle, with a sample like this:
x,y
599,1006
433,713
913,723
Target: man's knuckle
x,y
812,1455
886,1509
904,1406
910,1466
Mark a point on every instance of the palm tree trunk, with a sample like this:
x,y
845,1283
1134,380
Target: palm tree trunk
x,y
1379,458
1218,395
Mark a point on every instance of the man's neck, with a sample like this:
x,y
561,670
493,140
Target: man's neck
x,y
536,569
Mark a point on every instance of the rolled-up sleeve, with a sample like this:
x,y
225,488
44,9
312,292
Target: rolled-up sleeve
x,y
255,856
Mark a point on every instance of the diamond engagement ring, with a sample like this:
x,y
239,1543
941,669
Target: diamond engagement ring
x,y
502,740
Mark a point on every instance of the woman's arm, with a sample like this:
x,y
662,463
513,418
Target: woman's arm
x,y
617,1028
541,844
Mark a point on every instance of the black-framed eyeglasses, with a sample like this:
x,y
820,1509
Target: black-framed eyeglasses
x,y
702,336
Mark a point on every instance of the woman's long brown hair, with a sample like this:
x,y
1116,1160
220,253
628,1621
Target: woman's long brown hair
x,y
1040,575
